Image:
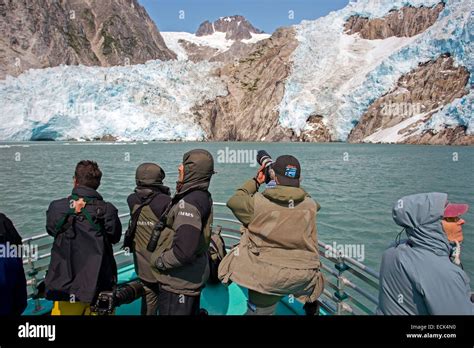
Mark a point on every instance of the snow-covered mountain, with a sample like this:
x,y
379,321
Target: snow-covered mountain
x,y
231,34
235,27
375,71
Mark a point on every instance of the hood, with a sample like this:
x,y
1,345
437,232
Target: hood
x,y
145,191
284,194
198,170
8,233
149,174
421,216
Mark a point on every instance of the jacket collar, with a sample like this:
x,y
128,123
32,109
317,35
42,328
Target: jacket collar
x,y
145,191
84,191
284,194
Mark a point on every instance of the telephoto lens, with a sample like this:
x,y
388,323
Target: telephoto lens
x,y
129,292
126,293
264,159
155,236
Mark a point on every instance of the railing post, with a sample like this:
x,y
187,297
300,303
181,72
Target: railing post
x,y
340,294
32,273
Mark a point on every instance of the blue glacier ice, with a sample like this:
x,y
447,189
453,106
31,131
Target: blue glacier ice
x,y
338,76
139,102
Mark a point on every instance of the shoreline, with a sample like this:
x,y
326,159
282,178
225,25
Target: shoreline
x,y
7,144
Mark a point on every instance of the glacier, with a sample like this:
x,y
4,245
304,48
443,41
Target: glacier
x,y
338,75
150,101
332,74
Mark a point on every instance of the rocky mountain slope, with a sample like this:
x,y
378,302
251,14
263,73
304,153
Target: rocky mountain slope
x,y
250,109
318,83
47,33
376,71
416,97
345,84
405,22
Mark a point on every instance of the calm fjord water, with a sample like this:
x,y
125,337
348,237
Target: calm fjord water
x,y
356,185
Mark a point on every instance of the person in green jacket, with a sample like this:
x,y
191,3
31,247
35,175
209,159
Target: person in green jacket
x,y
278,251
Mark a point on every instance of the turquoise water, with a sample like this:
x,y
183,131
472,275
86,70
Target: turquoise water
x,y
356,185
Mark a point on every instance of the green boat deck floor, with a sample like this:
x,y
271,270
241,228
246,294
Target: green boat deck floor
x,y
217,299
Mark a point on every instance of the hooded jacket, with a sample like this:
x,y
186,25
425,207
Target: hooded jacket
x,y
147,220
82,260
13,295
180,262
278,250
417,276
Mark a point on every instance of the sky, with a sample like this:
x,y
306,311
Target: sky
x,y
266,15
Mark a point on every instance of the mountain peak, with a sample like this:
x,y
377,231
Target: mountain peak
x,y
235,27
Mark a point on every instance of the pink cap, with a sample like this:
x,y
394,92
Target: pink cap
x,y
455,209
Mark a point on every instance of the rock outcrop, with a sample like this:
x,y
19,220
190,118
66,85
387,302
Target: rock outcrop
x,y
316,131
417,96
256,86
237,51
406,22
47,33
451,136
235,27
197,53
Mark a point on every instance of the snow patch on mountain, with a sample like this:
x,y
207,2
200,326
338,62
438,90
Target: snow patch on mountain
x,y
339,76
216,40
139,102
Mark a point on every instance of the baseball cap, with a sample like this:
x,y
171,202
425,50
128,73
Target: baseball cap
x,y
455,209
287,170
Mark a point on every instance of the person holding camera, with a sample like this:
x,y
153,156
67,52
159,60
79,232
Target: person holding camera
x,y
180,246
278,250
147,204
84,228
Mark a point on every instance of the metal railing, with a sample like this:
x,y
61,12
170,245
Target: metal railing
x,y
350,286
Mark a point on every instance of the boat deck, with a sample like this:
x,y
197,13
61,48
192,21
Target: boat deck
x,y
350,286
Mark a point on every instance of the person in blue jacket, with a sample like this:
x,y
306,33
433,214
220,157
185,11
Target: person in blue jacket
x,y
12,276
423,274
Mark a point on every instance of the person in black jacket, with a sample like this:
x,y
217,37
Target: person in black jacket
x,y
12,276
180,261
84,228
147,204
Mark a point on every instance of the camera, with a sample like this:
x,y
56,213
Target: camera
x,y
264,159
107,301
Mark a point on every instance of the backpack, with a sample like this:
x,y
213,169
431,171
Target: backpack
x,y
132,223
217,252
